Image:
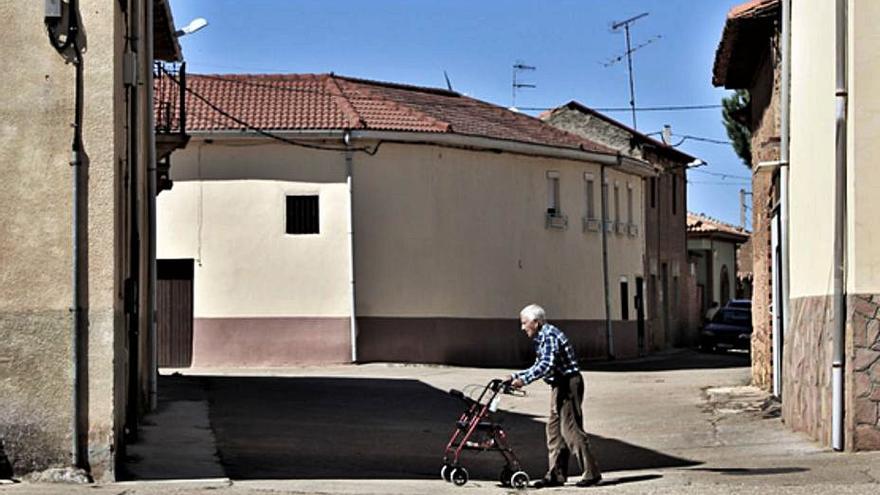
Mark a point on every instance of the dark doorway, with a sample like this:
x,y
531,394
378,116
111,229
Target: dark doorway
x,y
639,303
174,308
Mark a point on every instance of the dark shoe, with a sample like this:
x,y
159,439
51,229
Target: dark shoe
x,y
546,483
589,482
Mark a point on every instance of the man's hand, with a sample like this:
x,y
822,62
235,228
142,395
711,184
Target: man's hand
x,y
517,383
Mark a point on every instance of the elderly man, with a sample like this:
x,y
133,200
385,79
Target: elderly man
x,y
557,365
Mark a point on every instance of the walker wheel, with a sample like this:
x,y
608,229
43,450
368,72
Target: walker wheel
x,y
445,472
459,476
519,480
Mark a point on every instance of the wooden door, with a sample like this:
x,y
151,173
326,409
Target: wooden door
x,y
174,319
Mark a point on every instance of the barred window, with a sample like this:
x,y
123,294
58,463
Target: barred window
x,y
302,215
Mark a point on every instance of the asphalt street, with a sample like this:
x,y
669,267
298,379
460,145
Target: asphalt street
x,y
679,422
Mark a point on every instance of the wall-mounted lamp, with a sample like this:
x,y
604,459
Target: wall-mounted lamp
x,y
192,27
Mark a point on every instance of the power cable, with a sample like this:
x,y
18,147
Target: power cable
x,y
724,176
668,108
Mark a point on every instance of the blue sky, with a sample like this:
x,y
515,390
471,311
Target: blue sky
x,y
477,42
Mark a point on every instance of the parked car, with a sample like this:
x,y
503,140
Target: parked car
x,y
739,303
730,328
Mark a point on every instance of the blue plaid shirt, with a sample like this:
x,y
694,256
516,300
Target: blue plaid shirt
x,y
556,358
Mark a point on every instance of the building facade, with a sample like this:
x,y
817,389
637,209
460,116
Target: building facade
x,y
433,234
748,58
76,144
668,286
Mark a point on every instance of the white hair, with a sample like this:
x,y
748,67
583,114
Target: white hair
x,y
533,312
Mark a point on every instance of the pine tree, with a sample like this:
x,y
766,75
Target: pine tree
x,y
739,134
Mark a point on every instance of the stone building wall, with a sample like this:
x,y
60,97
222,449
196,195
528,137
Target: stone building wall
x,y
806,386
863,372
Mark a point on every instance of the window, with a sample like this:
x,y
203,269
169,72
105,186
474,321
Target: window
x,y
591,196
653,192
553,208
616,202
674,194
629,204
624,299
302,215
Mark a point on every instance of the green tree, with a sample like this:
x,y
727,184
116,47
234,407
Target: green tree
x,y
736,105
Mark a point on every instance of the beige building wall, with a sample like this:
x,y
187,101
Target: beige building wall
x,y
443,237
808,345
255,286
36,268
443,232
864,141
812,149
451,244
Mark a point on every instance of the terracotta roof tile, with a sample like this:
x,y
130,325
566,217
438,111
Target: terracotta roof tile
x,y
702,224
747,28
332,102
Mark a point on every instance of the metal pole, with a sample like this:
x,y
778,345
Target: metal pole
x,y
784,105
837,364
604,193
632,92
349,176
150,154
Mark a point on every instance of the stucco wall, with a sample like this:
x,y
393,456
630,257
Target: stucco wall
x,y
446,232
439,233
35,238
864,140
664,229
812,149
232,223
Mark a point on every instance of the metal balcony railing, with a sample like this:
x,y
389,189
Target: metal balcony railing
x,y
169,98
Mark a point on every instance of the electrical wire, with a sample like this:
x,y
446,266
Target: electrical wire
x,y
685,137
723,176
668,108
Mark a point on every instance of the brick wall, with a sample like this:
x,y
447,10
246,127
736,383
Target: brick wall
x,y
765,147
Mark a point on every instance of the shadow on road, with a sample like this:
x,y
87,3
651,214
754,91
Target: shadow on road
x,y
350,428
683,360
753,471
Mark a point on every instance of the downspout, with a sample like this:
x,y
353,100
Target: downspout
x,y
132,285
80,282
840,95
349,174
784,121
69,49
604,193
151,218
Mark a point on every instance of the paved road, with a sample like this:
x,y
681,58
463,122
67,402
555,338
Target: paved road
x,y
677,423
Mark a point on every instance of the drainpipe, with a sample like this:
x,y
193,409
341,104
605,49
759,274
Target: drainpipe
x,y
132,286
840,95
784,105
80,281
349,170
604,192
151,218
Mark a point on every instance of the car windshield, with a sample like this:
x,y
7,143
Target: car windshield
x,y
730,316
740,304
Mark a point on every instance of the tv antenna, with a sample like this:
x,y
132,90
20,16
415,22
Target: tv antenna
x,y
520,66
615,27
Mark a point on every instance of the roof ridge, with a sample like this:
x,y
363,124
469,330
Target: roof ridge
x,y
345,106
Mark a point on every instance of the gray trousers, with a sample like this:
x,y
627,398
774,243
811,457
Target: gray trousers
x,y
565,431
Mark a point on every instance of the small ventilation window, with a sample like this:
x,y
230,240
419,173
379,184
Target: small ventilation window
x,y
302,215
